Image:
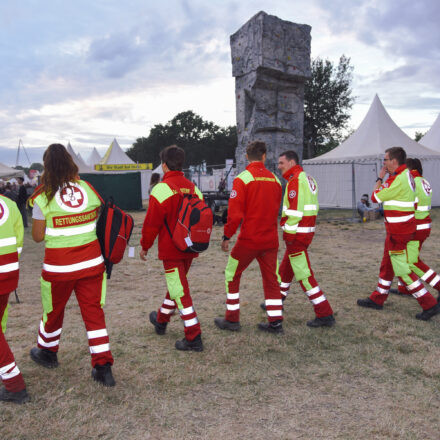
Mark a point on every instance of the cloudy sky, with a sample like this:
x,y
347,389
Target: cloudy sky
x,y
87,71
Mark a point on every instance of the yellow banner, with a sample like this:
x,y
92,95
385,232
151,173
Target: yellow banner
x,y
124,167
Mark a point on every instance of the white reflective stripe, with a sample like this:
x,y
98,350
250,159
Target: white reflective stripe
x,y
423,208
377,198
289,228
73,267
187,311
309,207
293,212
284,285
313,291
283,293
166,311
435,281
13,373
398,203
273,313
232,296
405,218
274,302
318,300
19,249
68,232
420,293
414,285
382,291
232,306
399,283
8,241
168,302
306,230
190,322
384,282
427,275
92,334
9,267
47,344
95,349
423,226
6,368
51,334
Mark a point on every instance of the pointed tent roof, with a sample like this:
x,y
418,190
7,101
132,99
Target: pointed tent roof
x,y
375,134
432,137
94,157
82,166
115,155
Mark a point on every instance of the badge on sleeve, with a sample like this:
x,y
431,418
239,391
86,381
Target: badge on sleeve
x,y
292,194
233,194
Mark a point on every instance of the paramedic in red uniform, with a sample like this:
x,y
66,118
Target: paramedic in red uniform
x,y
11,242
398,197
254,202
162,215
65,212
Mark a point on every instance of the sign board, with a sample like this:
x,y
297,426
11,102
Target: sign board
x,y
124,167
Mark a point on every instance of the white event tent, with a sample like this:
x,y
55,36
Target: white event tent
x,y
7,172
351,169
94,158
432,137
82,166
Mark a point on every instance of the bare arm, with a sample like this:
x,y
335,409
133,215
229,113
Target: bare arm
x,y
38,230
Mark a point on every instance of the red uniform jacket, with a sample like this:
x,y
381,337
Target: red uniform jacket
x,y
255,202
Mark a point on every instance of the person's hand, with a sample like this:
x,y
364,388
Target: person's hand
x,y
143,255
383,172
225,245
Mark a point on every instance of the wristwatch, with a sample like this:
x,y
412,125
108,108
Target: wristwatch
x,y
225,238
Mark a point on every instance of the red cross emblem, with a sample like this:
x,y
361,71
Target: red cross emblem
x,y
426,187
2,211
312,184
72,197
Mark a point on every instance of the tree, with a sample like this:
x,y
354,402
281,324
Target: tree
x,y
327,101
203,141
418,135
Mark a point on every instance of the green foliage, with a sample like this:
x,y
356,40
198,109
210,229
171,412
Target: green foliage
x,y
418,135
34,166
327,101
203,141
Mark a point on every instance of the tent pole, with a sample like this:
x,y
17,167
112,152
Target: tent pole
x,y
353,190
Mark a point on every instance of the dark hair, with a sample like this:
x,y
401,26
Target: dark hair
x,y
20,179
174,157
414,164
397,153
290,155
255,150
367,202
155,178
59,170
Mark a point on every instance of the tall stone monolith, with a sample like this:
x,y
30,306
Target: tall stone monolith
x,y
270,61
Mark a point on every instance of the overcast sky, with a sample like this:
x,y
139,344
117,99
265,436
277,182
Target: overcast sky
x,y
87,71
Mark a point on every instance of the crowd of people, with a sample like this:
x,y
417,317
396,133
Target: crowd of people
x,y
66,208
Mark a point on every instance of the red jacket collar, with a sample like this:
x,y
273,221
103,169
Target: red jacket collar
x,y
415,173
399,170
171,174
255,165
293,172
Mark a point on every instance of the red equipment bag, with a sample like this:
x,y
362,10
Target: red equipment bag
x,y
114,230
194,223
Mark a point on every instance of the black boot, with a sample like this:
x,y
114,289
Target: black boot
x,y
369,303
428,314
224,324
159,327
326,321
44,357
103,374
271,327
195,345
14,397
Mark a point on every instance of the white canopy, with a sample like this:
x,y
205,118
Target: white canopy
x,y
158,170
115,155
82,166
7,172
94,157
350,170
432,137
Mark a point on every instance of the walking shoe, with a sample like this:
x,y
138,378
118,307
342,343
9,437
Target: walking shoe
x,y
428,314
367,302
159,327
103,374
326,321
271,327
44,357
14,397
224,324
195,345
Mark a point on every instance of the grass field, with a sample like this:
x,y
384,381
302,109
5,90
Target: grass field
x,y
375,375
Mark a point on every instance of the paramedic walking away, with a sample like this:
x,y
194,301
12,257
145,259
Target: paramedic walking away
x,y
65,211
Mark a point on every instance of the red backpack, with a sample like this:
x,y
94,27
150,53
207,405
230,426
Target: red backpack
x,y
194,223
114,230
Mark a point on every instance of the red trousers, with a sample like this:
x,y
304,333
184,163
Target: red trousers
x,y
395,263
239,260
178,296
9,372
296,263
89,293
